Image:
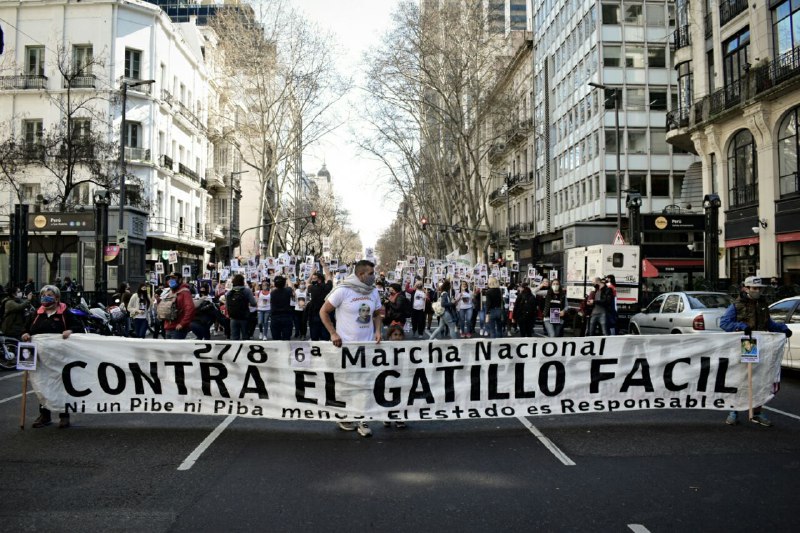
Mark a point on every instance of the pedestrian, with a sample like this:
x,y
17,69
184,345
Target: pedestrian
x,y
750,313
176,308
29,287
418,310
252,317
464,305
139,307
525,311
448,320
555,307
282,310
300,317
612,314
238,302
395,333
52,316
264,309
600,301
398,307
357,306
493,307
321,286
205,314
16,308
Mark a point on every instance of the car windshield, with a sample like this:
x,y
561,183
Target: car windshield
x,y
709,301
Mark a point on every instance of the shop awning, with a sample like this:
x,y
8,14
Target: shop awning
x,y
648,269
676,262
747,241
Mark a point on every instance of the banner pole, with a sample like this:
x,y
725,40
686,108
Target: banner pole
x,y
750,389
24,399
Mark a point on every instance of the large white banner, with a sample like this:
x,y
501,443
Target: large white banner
x,y
441,380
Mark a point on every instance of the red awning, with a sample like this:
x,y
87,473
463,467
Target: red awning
x,y
747,241
788,237
680,262
648,269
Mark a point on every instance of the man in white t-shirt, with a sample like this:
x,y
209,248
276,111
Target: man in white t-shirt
x,y
357,304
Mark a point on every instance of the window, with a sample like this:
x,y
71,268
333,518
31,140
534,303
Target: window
x,y
133,134
611,184
656,56
637,142
82,57
685,83
655,14
655,305
33,131
81,128
786,26
658,100
133,64
787,153
779,311
634,14
634,56
672,304
659,185
658,142
742,169
610,13
611,142
635,98
734,60
638,182
34,60
612,55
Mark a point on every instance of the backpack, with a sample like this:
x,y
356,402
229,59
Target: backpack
x,y
237,305
168,306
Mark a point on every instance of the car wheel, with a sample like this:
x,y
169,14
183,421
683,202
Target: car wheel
x,y
675,332
635,329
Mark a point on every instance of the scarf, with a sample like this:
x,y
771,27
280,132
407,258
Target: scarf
x,y
355,284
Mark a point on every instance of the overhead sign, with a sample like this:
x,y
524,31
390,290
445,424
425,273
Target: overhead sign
x,y
664,222
61,221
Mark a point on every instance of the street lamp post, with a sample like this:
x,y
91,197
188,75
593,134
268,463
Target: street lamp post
x,y
617,102
230,209
711,205
125,84
101,225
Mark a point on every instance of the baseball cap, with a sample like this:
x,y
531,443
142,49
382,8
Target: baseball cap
x,y
753,281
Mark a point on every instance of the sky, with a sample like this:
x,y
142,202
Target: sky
x,y
357,25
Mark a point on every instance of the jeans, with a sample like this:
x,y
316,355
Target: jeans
x,y
239,330
201,330
282,327
598,320
140,328
263,323
464,319
495,322
174,334
554,330
317,329
446,320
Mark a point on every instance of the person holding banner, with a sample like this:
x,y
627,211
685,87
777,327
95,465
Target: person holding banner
x,y
524,313
357,305
555,305
494,308
749,313
179,327
52,316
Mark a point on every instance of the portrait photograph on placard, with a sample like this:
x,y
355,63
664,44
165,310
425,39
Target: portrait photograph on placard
x,y
186,271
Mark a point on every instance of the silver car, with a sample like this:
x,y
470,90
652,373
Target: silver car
x,y
681,312
787,312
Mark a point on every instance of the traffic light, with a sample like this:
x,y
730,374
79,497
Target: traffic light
x,y
424,222
313,217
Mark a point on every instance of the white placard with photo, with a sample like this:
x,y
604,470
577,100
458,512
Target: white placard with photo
x,y
26,356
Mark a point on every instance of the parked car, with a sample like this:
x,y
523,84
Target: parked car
x,y
681,312
787,311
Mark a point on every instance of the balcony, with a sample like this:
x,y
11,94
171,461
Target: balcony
x,y
23,81
166,97
144,88
32,151
188,116
81,149
725,98
744,195
728,9
80,82
186,171
166,162
681,38
497,196
496,151
176,228
137,154
678,118
785,67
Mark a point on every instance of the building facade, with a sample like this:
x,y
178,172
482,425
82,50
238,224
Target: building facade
x,y
738,67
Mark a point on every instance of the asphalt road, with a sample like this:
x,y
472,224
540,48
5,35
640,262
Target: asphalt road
x,y
641,471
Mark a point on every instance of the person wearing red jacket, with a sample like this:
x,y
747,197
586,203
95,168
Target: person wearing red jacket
x,y
180,327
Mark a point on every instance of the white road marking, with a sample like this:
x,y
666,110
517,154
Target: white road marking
x,y
561,456
784,413
638,528
195,455
4,400
14,375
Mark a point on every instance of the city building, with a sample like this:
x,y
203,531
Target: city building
x,y
157,69
738,67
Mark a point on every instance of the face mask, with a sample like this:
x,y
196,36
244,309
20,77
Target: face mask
x,y
18,295
302,286
755,294
556,287
370,280
173,284
48,300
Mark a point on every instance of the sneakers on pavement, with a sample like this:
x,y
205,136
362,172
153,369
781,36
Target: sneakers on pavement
x,y
363,430
733,418
42,421
63,422
347,426
400,424
387,424
761,420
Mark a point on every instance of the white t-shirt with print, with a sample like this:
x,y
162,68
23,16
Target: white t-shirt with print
x,y
263,301
419,300
297,295
464,300
354,314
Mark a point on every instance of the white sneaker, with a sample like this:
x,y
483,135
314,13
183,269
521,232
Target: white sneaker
x,y
363,429
347,426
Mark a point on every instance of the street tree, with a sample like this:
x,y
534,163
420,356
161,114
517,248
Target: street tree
x,y
280,68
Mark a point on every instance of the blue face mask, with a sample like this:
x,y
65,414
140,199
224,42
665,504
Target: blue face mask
x,y
47,300
173,284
